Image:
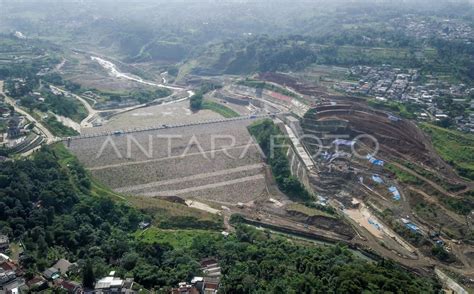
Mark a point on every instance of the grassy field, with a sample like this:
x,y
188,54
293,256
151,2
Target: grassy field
x,y
167,214
185,69
461,206
403,176
179,239
454,147
308,210
81,112
220,109
452,187
97,189
396,107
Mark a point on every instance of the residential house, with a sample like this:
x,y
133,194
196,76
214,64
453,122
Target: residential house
x,y
37,283
210,288
14,130
69,286
211,267
3,258
4,243
113,284
51,274
198,285
184,288
8,265
14,286
64,266
6,276
4,110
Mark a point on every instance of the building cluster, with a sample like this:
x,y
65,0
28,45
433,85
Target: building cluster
x,y
5,110
13,126
207,284
14,280
436,98
11,275
57,278
441,100
425,28
385,81
113,284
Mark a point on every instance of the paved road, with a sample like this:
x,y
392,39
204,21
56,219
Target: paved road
x,y
50,138
161,127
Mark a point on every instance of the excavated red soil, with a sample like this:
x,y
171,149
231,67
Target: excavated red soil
x,y
398,138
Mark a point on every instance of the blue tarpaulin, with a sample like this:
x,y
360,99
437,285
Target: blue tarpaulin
x,y
377,179
376,225
374,161
395,193
413,227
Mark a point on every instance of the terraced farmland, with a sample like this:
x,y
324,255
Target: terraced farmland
x,y
217,162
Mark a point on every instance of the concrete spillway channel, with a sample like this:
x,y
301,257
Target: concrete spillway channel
x,y
301,163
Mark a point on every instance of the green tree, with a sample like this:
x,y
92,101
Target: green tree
x,y
88,277
12,110
196,101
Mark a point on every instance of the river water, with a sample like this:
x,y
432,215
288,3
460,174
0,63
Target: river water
x,y
113,71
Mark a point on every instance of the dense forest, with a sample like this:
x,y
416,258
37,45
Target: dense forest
x,y
50,204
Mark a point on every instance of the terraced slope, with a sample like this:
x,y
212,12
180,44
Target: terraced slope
x,y
217,162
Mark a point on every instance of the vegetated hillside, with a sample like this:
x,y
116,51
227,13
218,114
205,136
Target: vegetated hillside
x,y
51,205
24,58
454,147
252,55
161,50
296,52
176,31
261,264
